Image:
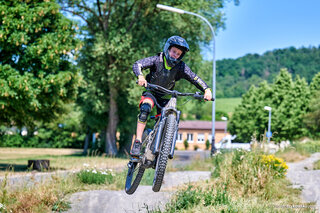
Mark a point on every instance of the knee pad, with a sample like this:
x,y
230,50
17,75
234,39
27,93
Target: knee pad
x,y
145,110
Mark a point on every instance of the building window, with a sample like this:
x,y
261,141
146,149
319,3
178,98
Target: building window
x,y
179,138
200,138
190,138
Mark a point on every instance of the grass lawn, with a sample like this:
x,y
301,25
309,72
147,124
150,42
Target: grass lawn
x,y
60,159
227,104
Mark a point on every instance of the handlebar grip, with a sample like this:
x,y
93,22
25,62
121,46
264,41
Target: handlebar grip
x,y
201,97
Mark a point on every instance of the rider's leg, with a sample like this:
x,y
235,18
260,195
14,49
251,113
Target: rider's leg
x,y
140,129
145,109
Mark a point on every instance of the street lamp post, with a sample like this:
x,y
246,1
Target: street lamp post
x,y
176,10
269,134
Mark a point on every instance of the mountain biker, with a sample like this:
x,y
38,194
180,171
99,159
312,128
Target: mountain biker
x,y
165,69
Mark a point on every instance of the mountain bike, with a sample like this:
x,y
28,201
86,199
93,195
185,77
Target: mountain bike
x,y
157,144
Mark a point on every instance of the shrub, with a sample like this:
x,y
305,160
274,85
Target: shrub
x,y
277,166
185,199
216,161
188,198
251,171
207,144
94,176
196,147
15,140
246,182
186,144
218,197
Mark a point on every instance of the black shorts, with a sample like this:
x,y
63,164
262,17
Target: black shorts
x,y
156,99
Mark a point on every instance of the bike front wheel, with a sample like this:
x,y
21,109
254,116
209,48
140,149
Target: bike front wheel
x,y
164,152
134,176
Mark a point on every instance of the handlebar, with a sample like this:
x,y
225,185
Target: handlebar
x,y
175,93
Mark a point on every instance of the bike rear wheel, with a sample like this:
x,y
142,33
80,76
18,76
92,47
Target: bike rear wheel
x,y
164,152
134,176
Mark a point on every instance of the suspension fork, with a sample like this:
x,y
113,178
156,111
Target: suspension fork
x,y
173,144
159,132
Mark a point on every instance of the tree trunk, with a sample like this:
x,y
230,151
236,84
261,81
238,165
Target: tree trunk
x,y
110,137
86,144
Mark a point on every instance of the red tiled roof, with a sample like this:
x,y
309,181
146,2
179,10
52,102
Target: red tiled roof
x,y
221,125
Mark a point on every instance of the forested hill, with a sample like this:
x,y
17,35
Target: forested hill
x,y
235,76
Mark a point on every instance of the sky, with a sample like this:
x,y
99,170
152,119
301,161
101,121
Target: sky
x,y
257,26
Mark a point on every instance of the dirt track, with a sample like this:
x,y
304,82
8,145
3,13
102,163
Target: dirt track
x,y
301,174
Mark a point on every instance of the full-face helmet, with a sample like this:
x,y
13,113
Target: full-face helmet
x,y
178,42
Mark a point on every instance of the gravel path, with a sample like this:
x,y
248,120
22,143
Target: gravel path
x,y
142,200
302,175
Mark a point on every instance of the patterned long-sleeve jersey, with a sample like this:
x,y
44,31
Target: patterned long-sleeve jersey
x,y
166,78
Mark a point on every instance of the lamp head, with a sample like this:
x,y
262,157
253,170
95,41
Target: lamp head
x,y
171,9
267,108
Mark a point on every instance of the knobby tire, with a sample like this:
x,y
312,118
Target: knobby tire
x,y
164,152
132,181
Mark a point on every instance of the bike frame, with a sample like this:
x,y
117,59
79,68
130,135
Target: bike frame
x,y
168,109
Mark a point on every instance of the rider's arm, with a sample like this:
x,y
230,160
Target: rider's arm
x,y
187,74
142,64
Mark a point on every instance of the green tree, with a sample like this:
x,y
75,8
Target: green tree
x,y
299,107
315,83
240,123
236,75
37,78
281,104
117,33
289,102
250,117
312,118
